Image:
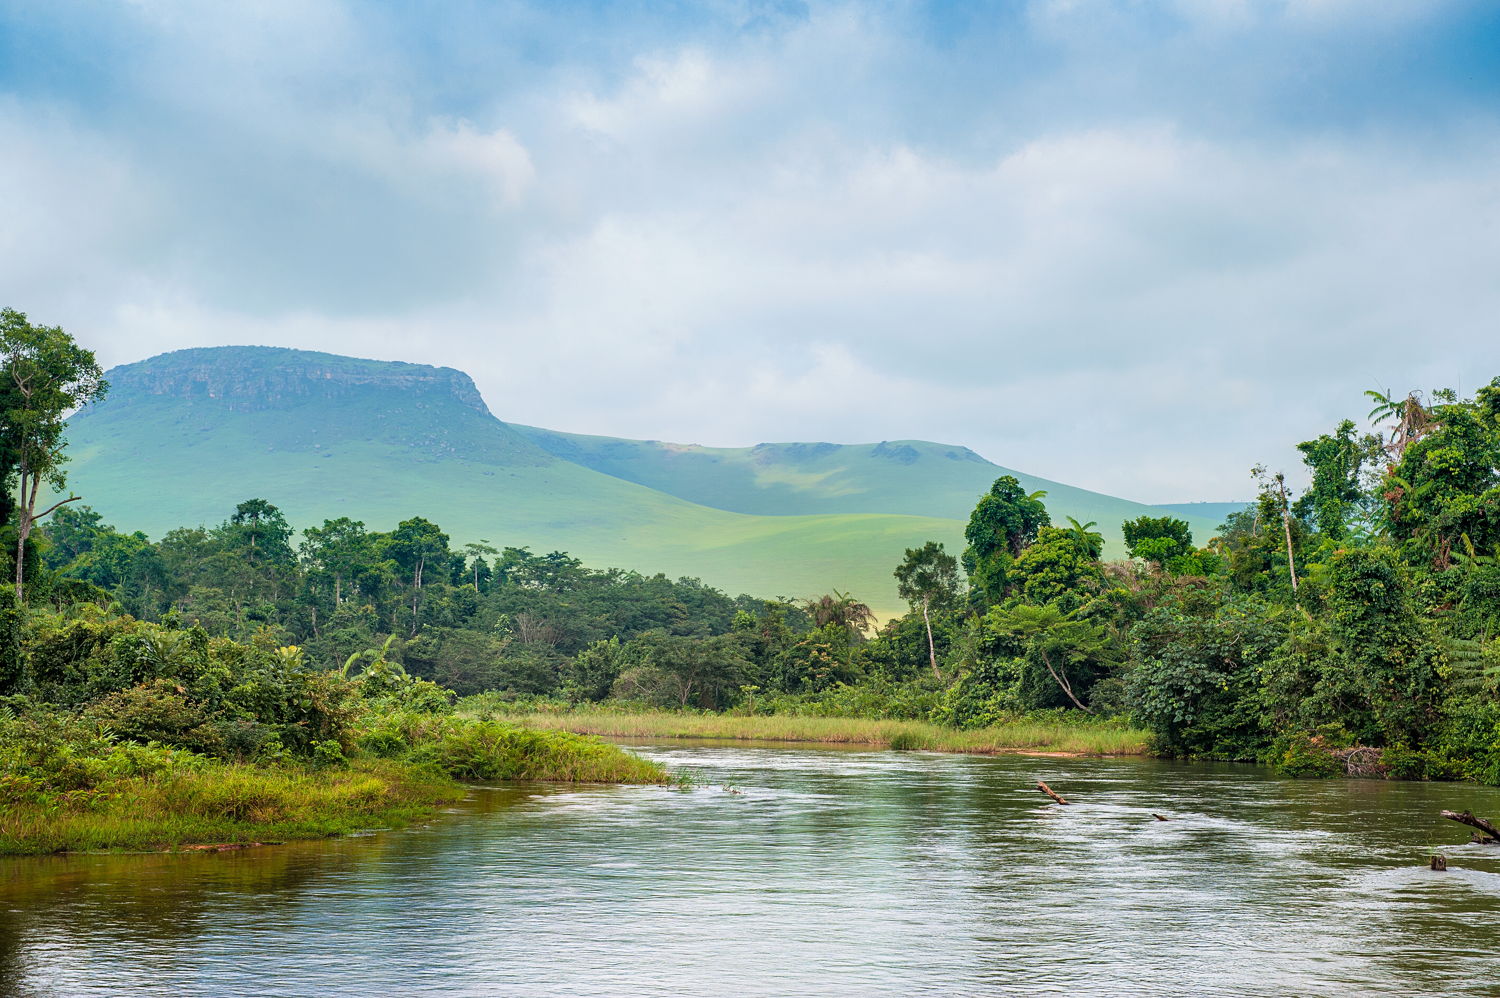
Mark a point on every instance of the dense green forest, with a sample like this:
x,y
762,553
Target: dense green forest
x,y
1351,628
121,731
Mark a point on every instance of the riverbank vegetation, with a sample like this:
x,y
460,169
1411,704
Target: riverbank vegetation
x,y
1351,628
130,734
1038,735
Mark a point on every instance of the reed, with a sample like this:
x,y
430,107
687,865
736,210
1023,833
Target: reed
x,y
1020,735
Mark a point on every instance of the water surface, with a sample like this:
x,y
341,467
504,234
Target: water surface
x,y
798,871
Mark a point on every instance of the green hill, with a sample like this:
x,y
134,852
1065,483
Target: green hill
x,y
912,477
184,436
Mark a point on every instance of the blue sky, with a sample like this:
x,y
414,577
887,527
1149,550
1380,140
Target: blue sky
x,y
1133,246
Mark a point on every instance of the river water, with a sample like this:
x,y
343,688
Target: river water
x,y
799,872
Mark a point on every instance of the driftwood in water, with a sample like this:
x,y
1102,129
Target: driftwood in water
x,y
1491,833
1049,792
1439,862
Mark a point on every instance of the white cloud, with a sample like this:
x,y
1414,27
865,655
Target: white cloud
x,y
747,241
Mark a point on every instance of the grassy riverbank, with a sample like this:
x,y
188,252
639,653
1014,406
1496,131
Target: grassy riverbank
x,y
1022,735
224,804
66,786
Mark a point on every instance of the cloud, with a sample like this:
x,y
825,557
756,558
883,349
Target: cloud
x,y
1015,230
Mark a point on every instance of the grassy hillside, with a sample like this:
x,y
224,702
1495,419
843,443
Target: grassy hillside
x,y
185,436
911,477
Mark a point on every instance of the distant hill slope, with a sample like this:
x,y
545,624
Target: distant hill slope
x,y
184,436
913,477
1205,512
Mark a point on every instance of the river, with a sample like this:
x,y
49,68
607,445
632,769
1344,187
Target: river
x,y
797,871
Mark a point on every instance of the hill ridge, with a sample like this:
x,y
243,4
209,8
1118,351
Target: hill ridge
x,y
282,375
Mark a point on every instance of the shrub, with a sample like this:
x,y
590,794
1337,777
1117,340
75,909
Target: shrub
x,y
1304,755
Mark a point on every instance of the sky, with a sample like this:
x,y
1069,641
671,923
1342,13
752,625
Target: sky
x,y
1136,247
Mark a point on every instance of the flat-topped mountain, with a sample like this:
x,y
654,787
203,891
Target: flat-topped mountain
x,y
251,378
185,436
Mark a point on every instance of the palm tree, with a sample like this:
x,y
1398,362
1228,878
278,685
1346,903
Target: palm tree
x,y
843,610
1413,419
379,659
1090,539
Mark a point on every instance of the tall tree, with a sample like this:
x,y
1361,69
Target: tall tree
x,y
1276,504
47,376
476,552
339,547
263,529
1003,524
415,544
1335,460
928,578
1157,539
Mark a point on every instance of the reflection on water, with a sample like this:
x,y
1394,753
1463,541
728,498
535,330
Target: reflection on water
x,y
827,873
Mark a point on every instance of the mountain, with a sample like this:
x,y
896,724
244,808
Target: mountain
x,y
184,436
913,477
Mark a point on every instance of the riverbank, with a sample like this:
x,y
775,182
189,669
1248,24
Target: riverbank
x,y
224,803
1039,737
82,793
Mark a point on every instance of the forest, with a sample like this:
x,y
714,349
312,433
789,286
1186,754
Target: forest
x,y
1350,627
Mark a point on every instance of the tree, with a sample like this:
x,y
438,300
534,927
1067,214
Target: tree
x,y
1157,539
1276,505
1336,460
1087,537
414,544
339,547
928,578
47,376
1003,524
1412,420
476,552
841,610
262,527
1061,568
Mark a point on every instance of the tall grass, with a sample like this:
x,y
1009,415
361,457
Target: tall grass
x,y
64,786
1020,735
225,803
471,750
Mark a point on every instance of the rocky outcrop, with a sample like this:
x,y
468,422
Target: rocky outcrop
x,y
258,378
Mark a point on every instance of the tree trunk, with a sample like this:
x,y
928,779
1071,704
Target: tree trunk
x,y
1286,524
26,518
1467,818
931,648
1062,683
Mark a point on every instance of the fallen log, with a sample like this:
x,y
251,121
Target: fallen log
x,y
1491,833
1049,792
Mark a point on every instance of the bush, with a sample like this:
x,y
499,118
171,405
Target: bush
x,y
1304,755
158,712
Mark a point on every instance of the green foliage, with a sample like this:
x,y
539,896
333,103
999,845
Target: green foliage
x,y
1336,461
1060,569
1157,539
1195,682
1004,523
679,671
1307,755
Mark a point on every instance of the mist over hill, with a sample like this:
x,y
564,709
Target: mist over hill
x,y
184,436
